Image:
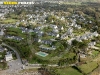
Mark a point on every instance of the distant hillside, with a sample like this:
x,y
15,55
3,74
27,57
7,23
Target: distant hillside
x,y
82,0
58,0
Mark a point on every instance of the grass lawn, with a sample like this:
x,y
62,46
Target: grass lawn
x,y
95,53
12,29
47,37
96,71
87,68
69,71
79,32
72,3
98,45
15,31
69,55
8,21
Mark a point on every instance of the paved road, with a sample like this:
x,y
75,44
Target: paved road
x,y
17,54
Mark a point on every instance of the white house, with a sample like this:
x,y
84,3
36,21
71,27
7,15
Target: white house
x,y
79,27
52,21
82,56
64,36
91,44
62,28
39,40
54,26
70,30
95,34
83,37
57,35
1,32
78,39
8,57
62,18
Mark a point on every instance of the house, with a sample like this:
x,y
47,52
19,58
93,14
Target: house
x,y
1,32
70,41
18,38
55,30
43,47
49,42
24,30
1,49
2,15
1,60
92,44
52,21
78,39
89,35
90,22
82,56
68,33
40,33
30,30
72,24
95,34
70,30
57,35
79,26
39,40
14,37
54,26
83,37
64,36
62,18
75,25
8,56
62,28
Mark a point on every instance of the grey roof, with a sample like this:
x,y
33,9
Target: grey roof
x,y
1,49
43,47
14,37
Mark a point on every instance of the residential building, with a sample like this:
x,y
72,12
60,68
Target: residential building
x,y
8,57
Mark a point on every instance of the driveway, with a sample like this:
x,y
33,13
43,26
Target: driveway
x,y
14,66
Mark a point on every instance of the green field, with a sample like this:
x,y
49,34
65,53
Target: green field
x,y
68,71
98,45
87,68
95,53
6,21
15,32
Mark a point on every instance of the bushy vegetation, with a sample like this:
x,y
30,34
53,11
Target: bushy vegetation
x,y
3,65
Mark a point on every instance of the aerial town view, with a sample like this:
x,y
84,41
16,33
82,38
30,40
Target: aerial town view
x,y
49,37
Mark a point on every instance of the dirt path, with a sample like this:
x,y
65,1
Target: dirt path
x,y
23,73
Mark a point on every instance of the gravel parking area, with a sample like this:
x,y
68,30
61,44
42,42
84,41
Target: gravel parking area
x,y
14,66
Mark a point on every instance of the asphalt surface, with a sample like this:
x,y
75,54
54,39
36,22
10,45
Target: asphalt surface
x,y
14,66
